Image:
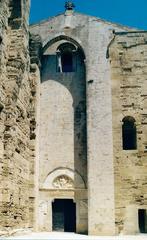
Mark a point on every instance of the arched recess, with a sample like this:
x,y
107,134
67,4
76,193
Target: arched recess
x,y
63,172
71,133
75,42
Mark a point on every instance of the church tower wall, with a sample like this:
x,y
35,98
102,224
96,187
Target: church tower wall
x,y
94,37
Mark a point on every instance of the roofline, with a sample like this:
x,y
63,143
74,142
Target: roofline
x,y
90,16
124,33
44,20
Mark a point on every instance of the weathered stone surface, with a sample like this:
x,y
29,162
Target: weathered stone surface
x,y
63,141
61,132
14,115
128,56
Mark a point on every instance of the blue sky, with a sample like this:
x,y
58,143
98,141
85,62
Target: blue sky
x,y
131,13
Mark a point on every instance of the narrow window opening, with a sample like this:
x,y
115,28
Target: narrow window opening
x,y
1,109
129,134
66,60
142,220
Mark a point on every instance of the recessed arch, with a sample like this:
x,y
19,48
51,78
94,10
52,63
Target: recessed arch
x,y
65,45
129,118
49,42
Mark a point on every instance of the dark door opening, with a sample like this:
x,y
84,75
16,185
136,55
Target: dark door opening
x,y
64,215
142,220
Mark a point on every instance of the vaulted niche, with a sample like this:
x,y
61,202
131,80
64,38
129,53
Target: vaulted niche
x,y
63,109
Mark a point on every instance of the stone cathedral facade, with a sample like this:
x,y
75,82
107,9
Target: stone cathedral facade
x,y
73,124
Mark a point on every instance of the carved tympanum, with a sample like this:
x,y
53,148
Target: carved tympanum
x,y
63,182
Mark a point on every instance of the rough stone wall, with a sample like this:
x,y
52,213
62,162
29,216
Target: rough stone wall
x,y
116,178
15,137
35,56
128,57
3,57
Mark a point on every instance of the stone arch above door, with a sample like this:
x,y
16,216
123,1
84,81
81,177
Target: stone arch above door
x,y
64,178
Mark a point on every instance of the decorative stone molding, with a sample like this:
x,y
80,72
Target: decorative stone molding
x,y
61,177
63,182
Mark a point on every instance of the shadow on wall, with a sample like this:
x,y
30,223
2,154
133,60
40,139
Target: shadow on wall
x,y
63,62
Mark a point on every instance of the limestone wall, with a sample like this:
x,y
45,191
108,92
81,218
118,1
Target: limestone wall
x,y
62,120
62,117
34,77
3,55
15,131
61,134
128,57
99,124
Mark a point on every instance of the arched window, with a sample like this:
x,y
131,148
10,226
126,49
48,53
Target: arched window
x,y
66,58
129,133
